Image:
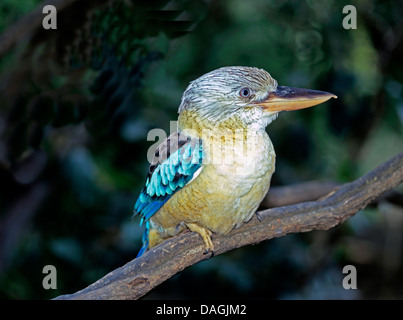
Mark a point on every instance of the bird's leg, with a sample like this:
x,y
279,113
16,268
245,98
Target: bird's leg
x,y
205,234
154,238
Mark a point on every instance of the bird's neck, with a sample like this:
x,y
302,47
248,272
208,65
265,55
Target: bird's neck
x,y
193,125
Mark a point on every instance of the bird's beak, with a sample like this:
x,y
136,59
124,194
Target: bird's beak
x,y
287,99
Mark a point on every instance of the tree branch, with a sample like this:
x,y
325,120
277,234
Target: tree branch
x,y
295,193
139,276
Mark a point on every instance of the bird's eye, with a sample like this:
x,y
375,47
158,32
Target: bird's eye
x,y
244,92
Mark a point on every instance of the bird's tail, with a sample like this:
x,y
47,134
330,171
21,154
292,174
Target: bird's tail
x,y
145,240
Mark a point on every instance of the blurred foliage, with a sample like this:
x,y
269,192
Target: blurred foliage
x,y
76,105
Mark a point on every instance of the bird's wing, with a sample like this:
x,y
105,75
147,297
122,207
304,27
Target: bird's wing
x,y
175,162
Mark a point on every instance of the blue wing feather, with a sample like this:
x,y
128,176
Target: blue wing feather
x,y
165,179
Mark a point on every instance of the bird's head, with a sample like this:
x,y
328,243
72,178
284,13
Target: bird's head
x,y
244,95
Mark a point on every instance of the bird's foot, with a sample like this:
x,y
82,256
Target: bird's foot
x,y
205,234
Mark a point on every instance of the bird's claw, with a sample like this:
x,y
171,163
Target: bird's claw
x,y
205,234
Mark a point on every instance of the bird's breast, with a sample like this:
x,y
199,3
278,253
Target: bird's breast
x,y
234,178
241,155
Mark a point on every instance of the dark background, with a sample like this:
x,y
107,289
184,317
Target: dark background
x,y
76,105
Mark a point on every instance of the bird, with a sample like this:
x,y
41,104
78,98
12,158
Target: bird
x,y
212,173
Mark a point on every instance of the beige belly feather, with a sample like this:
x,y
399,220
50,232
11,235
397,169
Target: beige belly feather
x,y
226,192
